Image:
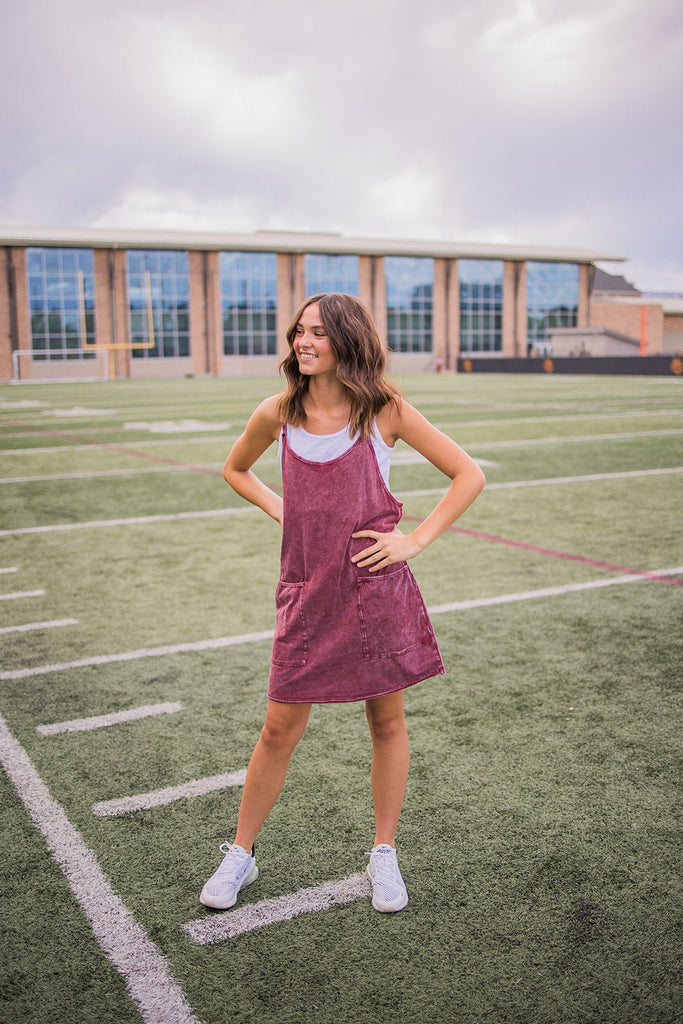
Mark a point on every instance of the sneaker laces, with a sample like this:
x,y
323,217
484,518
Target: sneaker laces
x,y
233,860
386,876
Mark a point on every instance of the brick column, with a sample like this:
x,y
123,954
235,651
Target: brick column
x,y
198,314
21,307
298,281
365,280
103,298
452,315
6,315
121,324
509,347
104,317
520,310
584,294
284,301
214,312
379,299
439,314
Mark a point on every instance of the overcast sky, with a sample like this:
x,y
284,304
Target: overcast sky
x,y
554,122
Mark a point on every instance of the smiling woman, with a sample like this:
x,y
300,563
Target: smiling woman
x,y
348,342
351,623
312,346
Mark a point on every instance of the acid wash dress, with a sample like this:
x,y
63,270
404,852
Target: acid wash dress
x,y
343,633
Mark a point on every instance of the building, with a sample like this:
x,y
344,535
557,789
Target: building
x,y
652,321
142,304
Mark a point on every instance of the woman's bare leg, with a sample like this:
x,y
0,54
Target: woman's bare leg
x,y
284,726
390,760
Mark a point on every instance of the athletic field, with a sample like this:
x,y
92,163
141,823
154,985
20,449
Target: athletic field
x,y
540,839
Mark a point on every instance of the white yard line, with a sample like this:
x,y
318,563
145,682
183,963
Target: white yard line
x,y
101,721
513,421
93,446
208,513
23,403
509,421
9,569
524,442
586,478
145,970
409,457
147,652
168,795
529,595
228,440
29,626
217,928
133,521
17,595
99,474
246,638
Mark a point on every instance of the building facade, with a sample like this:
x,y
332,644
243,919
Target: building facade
x,y
141,304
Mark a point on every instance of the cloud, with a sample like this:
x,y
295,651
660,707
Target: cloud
x,y
177,210
516,120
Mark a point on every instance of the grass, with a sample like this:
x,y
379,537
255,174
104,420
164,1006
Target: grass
x,y
541,833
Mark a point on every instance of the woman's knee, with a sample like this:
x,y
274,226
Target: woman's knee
x,y
284,725
385,718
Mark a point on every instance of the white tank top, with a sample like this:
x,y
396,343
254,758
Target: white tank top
x,y
325,447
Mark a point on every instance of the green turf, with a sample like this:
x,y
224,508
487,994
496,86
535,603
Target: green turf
x,y
541,833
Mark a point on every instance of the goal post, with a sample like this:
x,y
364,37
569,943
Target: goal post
x,y
55,366
116,346
74,364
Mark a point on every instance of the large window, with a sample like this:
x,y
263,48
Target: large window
x,y
249,303
159,303
61,291
410,287
552,291
331,274
481,305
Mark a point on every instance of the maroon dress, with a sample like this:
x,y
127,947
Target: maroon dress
x,y
343,633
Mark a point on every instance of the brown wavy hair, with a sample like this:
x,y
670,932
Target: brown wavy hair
x,y
361,362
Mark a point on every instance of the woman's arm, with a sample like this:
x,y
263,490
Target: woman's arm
x,y
467,481
261,430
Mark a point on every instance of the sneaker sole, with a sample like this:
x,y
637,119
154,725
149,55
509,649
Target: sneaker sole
x,y
212,901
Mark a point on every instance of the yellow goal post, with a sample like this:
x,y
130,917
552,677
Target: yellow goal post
x,y
117,346
73,364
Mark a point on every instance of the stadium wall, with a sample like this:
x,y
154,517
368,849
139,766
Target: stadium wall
x,y
641,365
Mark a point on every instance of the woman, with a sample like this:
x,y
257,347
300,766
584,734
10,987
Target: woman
x,y
351,623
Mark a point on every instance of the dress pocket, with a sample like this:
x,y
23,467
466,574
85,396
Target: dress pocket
x,y
393,617
290,644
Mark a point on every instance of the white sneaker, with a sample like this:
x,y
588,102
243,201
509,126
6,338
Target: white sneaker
x,y
389,893
237,869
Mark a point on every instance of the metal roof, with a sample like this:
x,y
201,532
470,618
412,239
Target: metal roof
x,y
292,242
612,284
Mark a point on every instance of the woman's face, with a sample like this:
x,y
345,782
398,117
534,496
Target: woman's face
x,y
312,346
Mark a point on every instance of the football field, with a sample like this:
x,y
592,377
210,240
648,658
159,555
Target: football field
x,y
541,835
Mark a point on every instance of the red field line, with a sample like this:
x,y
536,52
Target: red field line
x,y
479,534
76,439
597,563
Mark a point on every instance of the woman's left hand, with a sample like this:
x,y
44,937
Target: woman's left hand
x,y
386,549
